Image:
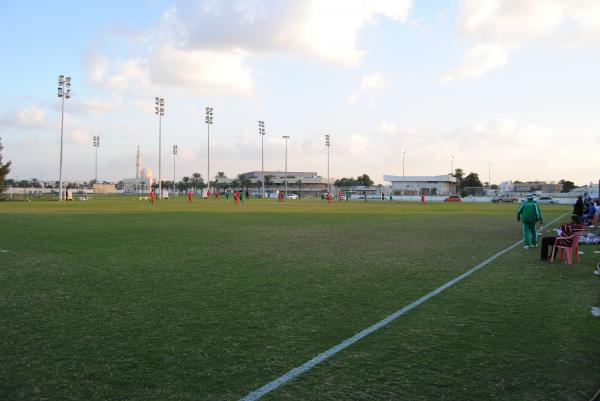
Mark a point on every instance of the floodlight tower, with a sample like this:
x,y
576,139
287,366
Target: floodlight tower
x,y
261,132
451,173
174,154
96,146
208,119
490,176
328,145
286,137
64,92
159,110
403,182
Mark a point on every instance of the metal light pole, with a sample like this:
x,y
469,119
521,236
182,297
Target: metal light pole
x,y
64,92
286,137
451,173
208,119
328,145
159,110
261,132
96,145
489,176
174,154
403,182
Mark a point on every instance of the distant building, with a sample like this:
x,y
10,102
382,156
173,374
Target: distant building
x,y
143,177
303,183
530,186
415,185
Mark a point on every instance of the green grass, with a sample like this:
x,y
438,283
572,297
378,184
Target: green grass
x,y
122,300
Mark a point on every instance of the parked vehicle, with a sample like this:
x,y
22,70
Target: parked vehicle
x,y
505,198
453,198
546,200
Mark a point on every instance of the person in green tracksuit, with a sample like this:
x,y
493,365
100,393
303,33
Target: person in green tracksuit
x,y
529,214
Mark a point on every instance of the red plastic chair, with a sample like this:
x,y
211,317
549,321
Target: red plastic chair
x,y
569,249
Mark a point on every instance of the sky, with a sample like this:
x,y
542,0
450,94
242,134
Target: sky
x,y
505,88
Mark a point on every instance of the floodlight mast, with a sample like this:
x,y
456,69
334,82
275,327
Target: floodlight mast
x,y
159,110
286,137
328,145
261,132
64,92
403,182
451,173
174,154
208,119
96,146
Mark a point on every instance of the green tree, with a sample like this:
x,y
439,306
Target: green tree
x,y
471,180
196,181
4,168
345,182
364,180
299,183
567,186
244,181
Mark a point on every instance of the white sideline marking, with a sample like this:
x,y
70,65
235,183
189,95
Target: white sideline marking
x,y
3,250
306,366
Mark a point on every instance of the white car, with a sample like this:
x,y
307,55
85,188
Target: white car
x,y
292,196
545,200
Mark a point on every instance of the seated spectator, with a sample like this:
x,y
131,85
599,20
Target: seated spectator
x,y
590,211
566,235
578,207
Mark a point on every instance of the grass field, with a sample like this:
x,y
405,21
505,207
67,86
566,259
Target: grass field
x,y
122,300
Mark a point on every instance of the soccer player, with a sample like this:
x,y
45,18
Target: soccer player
x,y
189,196
152,196
236,197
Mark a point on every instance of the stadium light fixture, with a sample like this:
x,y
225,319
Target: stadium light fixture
x,y
286,137
159,110
64,92
328,145
261,132
208,119
96,146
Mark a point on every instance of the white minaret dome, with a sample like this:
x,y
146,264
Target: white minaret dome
x,y
146,174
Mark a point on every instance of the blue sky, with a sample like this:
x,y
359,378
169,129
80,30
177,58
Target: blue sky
x,y
509,82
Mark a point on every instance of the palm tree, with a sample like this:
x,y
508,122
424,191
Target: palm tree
x,y
244,181
185,182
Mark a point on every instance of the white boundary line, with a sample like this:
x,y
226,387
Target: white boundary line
x,y
305,367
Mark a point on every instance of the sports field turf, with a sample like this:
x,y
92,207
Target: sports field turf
x,y
122,300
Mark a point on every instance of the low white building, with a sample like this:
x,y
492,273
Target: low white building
x,y
415,185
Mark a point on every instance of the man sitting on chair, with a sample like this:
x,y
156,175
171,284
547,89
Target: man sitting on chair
x,y
566,235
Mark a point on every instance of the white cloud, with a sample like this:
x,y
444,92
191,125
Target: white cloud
x,y
368,85
218,72
501,26
205,46
321,29
33,117
477,60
